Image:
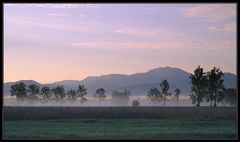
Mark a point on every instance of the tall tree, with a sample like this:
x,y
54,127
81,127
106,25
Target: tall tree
x,y
165,87
59,94
177,93
20,91
154,95
81,93
230,96
215,86
33,90
45,93
100,94
199,84
72,95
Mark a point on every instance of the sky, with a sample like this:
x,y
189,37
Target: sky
x,y
52,42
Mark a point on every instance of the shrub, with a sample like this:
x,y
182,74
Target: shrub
x,y
135,103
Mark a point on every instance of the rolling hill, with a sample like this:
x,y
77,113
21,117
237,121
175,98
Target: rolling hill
x,y
138,83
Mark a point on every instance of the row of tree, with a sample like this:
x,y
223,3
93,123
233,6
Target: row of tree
x,y
156,96
33,93
206,86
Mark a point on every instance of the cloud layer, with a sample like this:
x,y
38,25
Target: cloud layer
x,y
156,45
211,12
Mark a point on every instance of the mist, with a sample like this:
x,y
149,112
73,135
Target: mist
x,y
91,101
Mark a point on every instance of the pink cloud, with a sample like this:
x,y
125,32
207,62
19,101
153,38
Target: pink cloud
x,y
151,32
59,6
155,45
52,24
229,27
211,12
57,14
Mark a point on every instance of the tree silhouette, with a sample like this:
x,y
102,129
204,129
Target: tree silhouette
x,y
45,93
164,87
154,95
121,98
100,94
215,86
199,84
230,96
20,91
81,93
135,103
72,95
33,90
59,94
177,93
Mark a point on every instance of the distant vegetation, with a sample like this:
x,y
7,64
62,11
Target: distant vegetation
x,y
100,94
135,103
121,98
177,93
205,86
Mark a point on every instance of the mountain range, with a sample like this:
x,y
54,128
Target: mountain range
x,y
138,83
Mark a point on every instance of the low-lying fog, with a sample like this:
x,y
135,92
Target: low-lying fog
x,y
183,101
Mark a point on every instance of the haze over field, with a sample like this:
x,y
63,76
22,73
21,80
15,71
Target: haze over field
x,y
183,101
53,42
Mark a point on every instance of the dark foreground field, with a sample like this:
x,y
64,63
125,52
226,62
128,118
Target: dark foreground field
x,y
120,129
162,123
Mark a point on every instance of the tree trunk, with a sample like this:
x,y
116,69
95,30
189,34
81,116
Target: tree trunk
x,y
211,103
215,103
164,100
198,104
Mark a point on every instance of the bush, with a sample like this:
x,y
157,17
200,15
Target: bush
x,y
135,103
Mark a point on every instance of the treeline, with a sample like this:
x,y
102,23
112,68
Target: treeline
x,y
208,86
205,86
57,95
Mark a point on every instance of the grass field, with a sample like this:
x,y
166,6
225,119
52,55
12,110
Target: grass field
x,y
120,129
46,113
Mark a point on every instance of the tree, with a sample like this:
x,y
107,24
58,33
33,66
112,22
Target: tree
x,y
20,91
59,94
121,98
164,87
45,93
72,95
81,93
199,84
215,87
177,93
135,103
154,95
230,96
32,92
100,94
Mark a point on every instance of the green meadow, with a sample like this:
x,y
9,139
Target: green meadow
x,y
120,129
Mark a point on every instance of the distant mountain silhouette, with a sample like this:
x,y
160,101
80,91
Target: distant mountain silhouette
x,y
138,83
